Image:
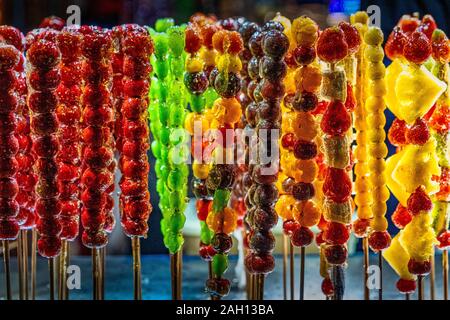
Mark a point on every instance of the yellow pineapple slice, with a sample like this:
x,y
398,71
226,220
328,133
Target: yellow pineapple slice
x,y
398,258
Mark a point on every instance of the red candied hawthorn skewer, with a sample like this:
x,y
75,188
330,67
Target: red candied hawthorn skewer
x,y
135,197
69,156
25,176
97,145
9,208
43,79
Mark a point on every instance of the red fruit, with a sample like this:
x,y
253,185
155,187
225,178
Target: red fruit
x,y
337,186
419,201
323,224
352,36
303,55
9,229
95,240
70,229
331,46
133,228
395,44
46,146
350,103
259,263
321,108
327,287
444,240
138,44
193,41
8,80
409,24
207,33
419,133
289,226
319,238
43,102
206,252
288,141
43,55
9,57
53,22
397,133
302,237
336,254
50,226
336,121
49,247
401,217
336,233
440,120
441,46
8,188
135,88
97,45
361,228
379,240
421,268
12,36
203,209
417,48
427,26
131,188
406,286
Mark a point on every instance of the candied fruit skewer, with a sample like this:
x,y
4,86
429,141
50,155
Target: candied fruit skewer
x,y
9,224
271,45
135,47
250,33
43,58
440,126
334,45
98,146
167,112
69,155
379,238
410,171
200,64
361,226
224,116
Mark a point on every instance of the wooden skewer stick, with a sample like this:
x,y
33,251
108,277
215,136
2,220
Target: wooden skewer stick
x,y
365,242
420,285
33,262
380,265
6,261
285,254
63,271
67,261
302,273
102,271
432,277
95,274
137,284
260,286
445,273
20,267
25,261
51,274
174,268
180,273
407,296
292,267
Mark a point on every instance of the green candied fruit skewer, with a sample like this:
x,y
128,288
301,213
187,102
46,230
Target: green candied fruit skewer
x,y
169,66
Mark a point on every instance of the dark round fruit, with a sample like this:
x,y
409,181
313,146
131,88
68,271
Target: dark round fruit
x,y
272,69
275,44
227,86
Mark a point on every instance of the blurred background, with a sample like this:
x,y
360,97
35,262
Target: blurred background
x,y
27,14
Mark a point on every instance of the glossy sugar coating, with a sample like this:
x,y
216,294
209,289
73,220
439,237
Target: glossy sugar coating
x,y
69,117
43,56
375,139
97,117
222,219
26,179
135,196
167,113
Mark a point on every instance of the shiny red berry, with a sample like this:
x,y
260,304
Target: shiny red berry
x,y
406,286
401,217
419,201
379,240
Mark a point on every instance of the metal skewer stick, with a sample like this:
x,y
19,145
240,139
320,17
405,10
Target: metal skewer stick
x,y
137,284
302,273
6,261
